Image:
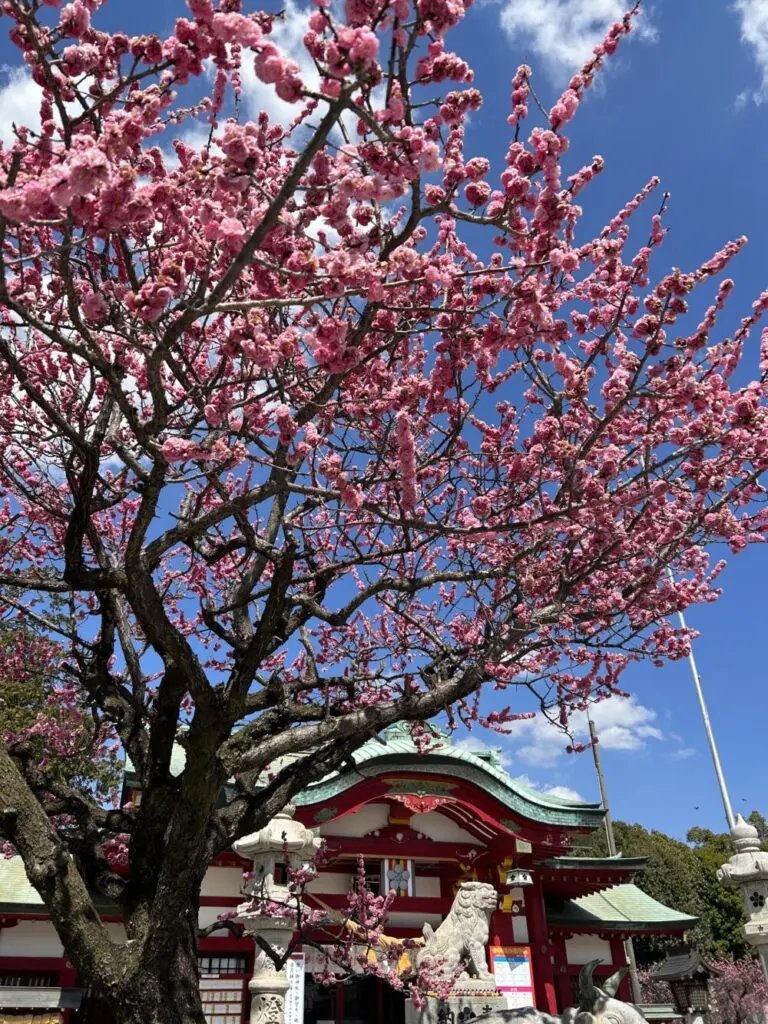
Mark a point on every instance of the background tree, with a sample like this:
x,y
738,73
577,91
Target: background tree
x,y
724,907
294,491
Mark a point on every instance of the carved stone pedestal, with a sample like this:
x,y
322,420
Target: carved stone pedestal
x,y
268,986
470,999
267,1004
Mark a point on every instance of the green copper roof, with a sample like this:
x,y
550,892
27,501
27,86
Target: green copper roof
x,y
618,863
15,889
16,893
178,760
396,749
624,908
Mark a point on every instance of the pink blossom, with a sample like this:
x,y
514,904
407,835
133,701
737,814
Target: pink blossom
x,y
75,19
178,449
94,306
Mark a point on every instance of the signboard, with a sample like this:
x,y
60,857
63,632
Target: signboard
x,y
512,971
222,1000
294,997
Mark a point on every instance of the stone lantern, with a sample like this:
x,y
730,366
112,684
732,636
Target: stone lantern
x,y
270,913
748,869
687,975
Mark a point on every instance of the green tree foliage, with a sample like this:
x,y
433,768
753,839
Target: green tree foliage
x,y
683,875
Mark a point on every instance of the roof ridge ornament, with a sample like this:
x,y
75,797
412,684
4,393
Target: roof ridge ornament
x,y
402,731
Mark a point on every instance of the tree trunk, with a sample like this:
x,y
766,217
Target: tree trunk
x,y
169,996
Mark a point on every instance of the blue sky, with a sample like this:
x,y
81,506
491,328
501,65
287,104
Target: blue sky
x,y
686,99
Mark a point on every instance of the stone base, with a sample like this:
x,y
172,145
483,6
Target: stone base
x,y
475,996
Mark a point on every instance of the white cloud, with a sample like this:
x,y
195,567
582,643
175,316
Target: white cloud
x,y
650,732
19,102
563,792
753,19
195,135
620,723
562,33
288,35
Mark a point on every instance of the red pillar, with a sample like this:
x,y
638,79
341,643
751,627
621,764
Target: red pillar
x,y
541,948
502,933
562,976
619,960
68,979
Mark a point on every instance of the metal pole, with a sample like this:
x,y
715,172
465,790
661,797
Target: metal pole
x,y
629,948
729,816
607,821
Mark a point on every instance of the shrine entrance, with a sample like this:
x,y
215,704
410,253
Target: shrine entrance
x,y
362,1000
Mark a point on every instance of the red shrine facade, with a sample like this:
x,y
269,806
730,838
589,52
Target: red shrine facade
x,y
423,824
426,822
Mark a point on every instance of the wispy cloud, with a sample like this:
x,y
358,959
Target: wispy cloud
x,y
559,35
753,22
682,753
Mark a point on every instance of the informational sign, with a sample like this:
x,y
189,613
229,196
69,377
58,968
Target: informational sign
x,y
294,997
222,1000
512,971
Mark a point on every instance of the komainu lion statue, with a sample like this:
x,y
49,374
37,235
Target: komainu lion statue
x,y
463,935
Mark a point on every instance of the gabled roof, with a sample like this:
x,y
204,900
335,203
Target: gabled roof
x,y
623,908
396,749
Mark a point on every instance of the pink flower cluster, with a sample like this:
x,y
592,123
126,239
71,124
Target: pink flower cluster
x,y
406,460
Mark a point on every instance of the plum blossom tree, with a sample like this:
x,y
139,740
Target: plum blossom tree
x,y
300,461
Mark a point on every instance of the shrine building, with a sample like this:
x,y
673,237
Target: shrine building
x,y
423,823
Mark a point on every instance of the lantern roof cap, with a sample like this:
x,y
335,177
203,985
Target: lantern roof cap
x,y
683,966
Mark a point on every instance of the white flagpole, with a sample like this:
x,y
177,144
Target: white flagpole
x,y
708,729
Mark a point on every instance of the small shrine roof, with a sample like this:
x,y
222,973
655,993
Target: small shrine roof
x,y
618,862
659,1011
623,908
572,877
